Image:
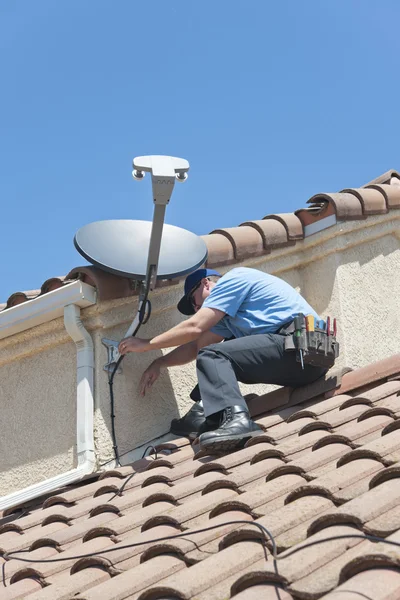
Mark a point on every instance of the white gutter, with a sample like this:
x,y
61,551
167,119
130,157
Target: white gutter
x,y
85,407
45,308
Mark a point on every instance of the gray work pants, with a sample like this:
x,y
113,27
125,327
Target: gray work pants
x,y
250,359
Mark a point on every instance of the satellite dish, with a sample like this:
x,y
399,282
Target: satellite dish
x,y
122,247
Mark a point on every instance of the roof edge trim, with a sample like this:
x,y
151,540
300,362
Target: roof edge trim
x,y
319,225
45,308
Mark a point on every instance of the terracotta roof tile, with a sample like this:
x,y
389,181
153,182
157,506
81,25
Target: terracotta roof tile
x,y
327,573
385,448
21,589
339,479
385,178
292,445
381,391
245,475
364,431
370,374
372,200
266,591
220,250
225,588
278,398
246,241
292,224
340,416
126,583
320,408
231,561
316,212
313,557
273,233
227,246
347,206
108,285
54,283
311,461
379,583
391,194
20,297
363,556
386,523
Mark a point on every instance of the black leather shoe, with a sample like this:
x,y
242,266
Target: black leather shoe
x,y
212,422
236,427
190,424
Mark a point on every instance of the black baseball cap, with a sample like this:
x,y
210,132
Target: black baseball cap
x,y
184,305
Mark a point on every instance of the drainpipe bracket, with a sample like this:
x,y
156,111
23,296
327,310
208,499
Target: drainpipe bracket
x,y
112,355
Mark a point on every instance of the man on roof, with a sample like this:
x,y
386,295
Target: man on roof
x,y
250,310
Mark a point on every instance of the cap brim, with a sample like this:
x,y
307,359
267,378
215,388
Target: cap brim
x,y
185,306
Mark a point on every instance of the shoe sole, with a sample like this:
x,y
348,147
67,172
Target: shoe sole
x,y
192,435
184,433
228,443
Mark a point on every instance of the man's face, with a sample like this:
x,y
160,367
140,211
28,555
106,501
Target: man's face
x,y
199,293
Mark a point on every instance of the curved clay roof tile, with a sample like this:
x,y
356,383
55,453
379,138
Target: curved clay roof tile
x,y
108,286
292,224
220,250
16,298
347,206
390,192
20,297
315,213
52,284
246,241
273,232
372,201
384,178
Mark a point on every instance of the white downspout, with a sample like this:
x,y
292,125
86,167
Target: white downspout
x,y
84,392
84,418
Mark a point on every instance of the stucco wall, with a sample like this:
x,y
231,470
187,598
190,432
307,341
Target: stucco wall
x,y
351,271
38,416
357,278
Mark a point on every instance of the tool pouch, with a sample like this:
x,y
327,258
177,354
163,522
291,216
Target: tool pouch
x,y
318,348
322,349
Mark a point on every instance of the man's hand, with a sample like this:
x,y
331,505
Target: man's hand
x,y
133,344
150,375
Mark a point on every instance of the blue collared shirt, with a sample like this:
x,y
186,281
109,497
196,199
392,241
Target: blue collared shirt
x,y
254,302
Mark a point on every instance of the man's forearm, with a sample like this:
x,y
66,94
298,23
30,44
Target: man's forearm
x,y
180,356
179,335
188,331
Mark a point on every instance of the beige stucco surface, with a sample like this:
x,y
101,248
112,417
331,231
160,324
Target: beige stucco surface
x,y
351,271
38,415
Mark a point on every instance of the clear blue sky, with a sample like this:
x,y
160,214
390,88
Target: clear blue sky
x,y
270,102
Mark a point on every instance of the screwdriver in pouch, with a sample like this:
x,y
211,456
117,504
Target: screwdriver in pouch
x,y
310,323
298,331
311,335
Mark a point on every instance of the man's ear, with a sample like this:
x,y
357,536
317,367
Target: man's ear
x,y
206,283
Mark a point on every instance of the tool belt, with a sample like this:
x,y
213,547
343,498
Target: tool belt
x,y
313,341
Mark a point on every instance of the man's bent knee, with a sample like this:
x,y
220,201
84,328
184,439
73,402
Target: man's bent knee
x,y
208,351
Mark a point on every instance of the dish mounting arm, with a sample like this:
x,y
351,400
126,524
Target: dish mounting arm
x,y
165,170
